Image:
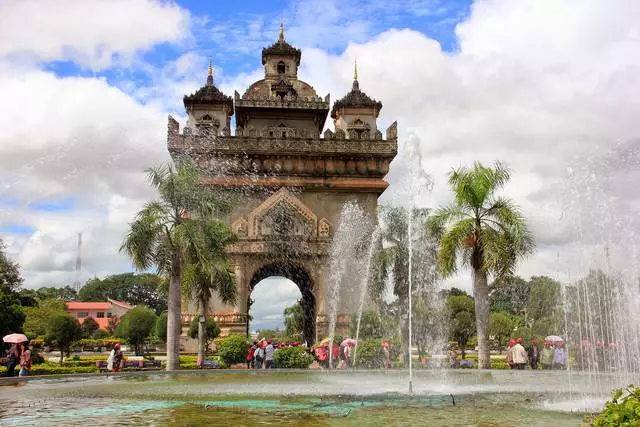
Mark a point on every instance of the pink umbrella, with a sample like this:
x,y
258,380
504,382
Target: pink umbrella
x,y
15,338
348,341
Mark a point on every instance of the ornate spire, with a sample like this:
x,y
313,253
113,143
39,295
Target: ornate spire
x,y
210,75
281,36
355,70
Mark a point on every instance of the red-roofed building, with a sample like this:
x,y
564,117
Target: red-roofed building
x,y
101,312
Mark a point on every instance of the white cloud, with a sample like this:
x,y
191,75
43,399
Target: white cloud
x,y
91,33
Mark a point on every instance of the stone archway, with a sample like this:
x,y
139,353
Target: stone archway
x,y
302,279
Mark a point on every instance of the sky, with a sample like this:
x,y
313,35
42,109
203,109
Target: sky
x,y
551,88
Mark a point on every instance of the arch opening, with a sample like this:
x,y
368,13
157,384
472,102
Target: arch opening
x,y
302,280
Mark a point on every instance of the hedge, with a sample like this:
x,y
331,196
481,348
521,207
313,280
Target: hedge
x,y
232,349
369,354
292,358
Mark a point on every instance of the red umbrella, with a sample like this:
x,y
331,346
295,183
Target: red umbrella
x,y
15,338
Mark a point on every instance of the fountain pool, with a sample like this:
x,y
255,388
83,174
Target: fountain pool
x,y
305,398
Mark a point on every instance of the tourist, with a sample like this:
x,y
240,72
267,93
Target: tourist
x,y
258,356
534,354
519,355
335,355
560,356
546,356
453,356
249,357
386,348
25,360
322,354
13,356
509,356
268,355
116,357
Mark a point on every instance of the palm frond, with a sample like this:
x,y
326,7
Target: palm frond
x,y
452,245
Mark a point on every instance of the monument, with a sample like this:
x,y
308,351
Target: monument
x,y
291,178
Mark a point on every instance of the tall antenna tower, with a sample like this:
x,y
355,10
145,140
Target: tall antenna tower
x,y
78,263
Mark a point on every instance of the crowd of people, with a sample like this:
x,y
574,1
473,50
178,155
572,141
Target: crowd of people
x,y
599,357
19,355
260,353
553,355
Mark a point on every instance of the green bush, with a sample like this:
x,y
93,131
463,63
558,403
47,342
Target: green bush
x,y
292,358
232,349
161,327
369,354
62,331
137,326
622,410
100,334
211,330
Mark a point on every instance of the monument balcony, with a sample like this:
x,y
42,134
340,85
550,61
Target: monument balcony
x,y
286,102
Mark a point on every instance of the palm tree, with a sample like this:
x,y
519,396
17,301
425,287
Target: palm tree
x,y
481,230
173,232
203,279
391,259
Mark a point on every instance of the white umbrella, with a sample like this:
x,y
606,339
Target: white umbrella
x,y
554,338
15,338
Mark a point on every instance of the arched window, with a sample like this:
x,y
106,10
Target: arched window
x,y
206,118
281,67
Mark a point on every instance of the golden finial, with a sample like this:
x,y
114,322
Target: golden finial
x,y
210,74
281,37
355,70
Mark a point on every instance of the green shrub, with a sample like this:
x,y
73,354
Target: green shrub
x,y
622,410
232,349
211,331
369,354
161,327
292,358
62,331
36,358
100,334
137,326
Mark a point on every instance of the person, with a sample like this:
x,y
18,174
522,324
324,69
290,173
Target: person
x,y
453,356
386,348
546,356
250,352
560,357
534,354
335,355
322,353
258,356
509,356
14,359
268,355
25,360
600,355
116,356
519,355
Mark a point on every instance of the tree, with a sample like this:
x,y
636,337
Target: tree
x,y
501,326
89,327
136,326
62,331
209,273
168,231
37,318
136,289
293,320
509,294
211,332
391,260
11,315
461,319
112,324
161,327
483,231
370,325
66,293
545,298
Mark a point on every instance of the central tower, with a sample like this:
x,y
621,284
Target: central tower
x,y
290,177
